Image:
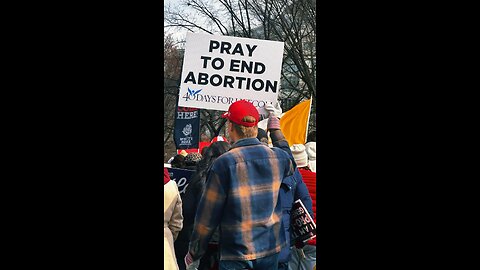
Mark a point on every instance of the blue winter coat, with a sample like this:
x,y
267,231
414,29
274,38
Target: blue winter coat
x,y
292,189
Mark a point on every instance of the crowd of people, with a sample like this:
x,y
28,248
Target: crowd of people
x,y
235,211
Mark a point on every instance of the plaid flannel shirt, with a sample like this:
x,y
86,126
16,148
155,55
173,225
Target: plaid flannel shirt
x,y
241,197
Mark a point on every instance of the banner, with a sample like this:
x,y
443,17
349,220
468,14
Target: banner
x,y
182,177
219,70
190,150
303,227
195,150
187,128
294,123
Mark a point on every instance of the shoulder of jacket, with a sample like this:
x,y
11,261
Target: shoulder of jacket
x,y
279,151
171,185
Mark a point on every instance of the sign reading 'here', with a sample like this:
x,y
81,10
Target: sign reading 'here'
x,y
219,70
187,128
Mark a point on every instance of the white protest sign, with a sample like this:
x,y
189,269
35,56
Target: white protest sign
x,y
219,70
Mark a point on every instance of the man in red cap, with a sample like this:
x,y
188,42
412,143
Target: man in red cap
x,y
241,196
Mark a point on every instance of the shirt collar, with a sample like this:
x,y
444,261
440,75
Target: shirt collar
x,y
246,142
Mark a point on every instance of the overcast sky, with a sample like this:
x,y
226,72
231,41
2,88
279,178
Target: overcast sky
x,y
178,34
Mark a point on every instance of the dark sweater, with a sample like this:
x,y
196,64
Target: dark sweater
x,y
190,201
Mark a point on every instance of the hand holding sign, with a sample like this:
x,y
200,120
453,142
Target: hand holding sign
x,y
188,259
303,226
274,110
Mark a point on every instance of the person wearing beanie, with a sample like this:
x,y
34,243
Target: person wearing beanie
x,y
191,160
247,180
293,187
172,220
311,148
306,258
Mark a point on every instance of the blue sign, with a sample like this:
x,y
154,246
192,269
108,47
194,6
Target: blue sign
x,y
187,128
182,177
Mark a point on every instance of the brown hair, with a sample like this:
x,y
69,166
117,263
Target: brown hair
x,y
246,132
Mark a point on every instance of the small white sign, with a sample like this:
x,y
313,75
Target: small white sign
x,y
219,70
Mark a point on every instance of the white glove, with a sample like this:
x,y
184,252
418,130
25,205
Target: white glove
x,y
194,265
274,110
188,259
190,263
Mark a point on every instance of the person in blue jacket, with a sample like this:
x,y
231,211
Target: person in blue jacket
x,y
292,188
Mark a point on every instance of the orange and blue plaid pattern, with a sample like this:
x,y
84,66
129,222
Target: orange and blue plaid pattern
x,y
241,197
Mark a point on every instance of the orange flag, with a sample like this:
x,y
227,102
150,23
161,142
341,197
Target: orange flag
x,y
294,123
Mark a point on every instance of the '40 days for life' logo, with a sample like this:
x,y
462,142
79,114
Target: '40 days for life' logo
x,y
191,93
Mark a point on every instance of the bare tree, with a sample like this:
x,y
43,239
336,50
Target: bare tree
x,y
290,21
172,72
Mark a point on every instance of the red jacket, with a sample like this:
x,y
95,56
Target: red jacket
x,y
310,179
166,176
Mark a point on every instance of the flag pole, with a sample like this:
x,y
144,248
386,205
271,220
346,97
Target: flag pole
x,y
308,120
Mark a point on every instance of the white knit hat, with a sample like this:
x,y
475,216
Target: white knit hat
x,y
300,155
311,148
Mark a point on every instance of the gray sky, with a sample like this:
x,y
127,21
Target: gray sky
x,y
170,1
178,34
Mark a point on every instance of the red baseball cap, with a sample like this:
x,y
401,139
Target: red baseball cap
x,y
219,139
238,110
